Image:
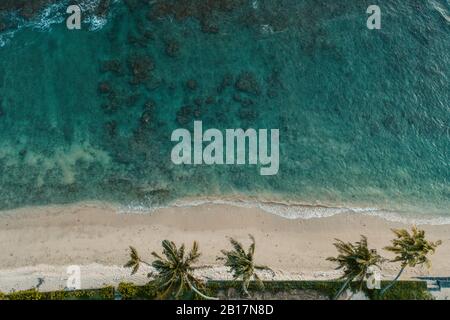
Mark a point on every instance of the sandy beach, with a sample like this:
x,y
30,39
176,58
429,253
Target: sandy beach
x,y
37,244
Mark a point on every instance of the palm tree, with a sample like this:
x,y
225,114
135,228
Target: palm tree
x,y
174,270
242,264
135,261
355,261
411,249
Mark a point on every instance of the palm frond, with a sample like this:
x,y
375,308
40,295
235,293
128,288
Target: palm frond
x,y
354,259
134,261
175,271
412,249
241,263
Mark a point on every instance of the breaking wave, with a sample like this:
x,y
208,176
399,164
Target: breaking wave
x,y
441,8
289,210
53,14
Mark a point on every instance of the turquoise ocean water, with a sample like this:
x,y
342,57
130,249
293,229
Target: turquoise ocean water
x,y
364,115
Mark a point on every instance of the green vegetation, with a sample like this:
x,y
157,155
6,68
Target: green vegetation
x,y
402,290
31,294
175,271
175,279
130,291
106,293
411,250
242,264
325,288
354,260
135,261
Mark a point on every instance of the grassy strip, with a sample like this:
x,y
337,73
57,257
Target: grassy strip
x,y
106,293
326,288
403,290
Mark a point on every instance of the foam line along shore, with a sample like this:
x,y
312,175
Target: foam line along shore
x,y
43,242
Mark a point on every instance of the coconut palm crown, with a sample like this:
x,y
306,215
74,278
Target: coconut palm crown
x,y
354,260
411,250
242,265
174,270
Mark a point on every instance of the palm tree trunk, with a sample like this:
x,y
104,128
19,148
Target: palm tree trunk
x,y
393,281
343,288
145,263
193,288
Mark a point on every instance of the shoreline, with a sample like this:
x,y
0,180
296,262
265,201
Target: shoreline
x,y
290,209
40,242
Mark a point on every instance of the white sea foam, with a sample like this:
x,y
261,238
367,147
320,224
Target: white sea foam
x,y
295,210
55,14
96,23
93,21
439,7
6,37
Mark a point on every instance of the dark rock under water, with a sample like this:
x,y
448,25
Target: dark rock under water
x,y
363,115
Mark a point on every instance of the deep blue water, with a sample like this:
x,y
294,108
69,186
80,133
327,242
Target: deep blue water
x,y
364,115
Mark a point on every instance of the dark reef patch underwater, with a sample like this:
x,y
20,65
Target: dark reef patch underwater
x,y
364,115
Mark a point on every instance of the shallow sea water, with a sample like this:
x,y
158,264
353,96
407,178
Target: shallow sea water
x,y
364,116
